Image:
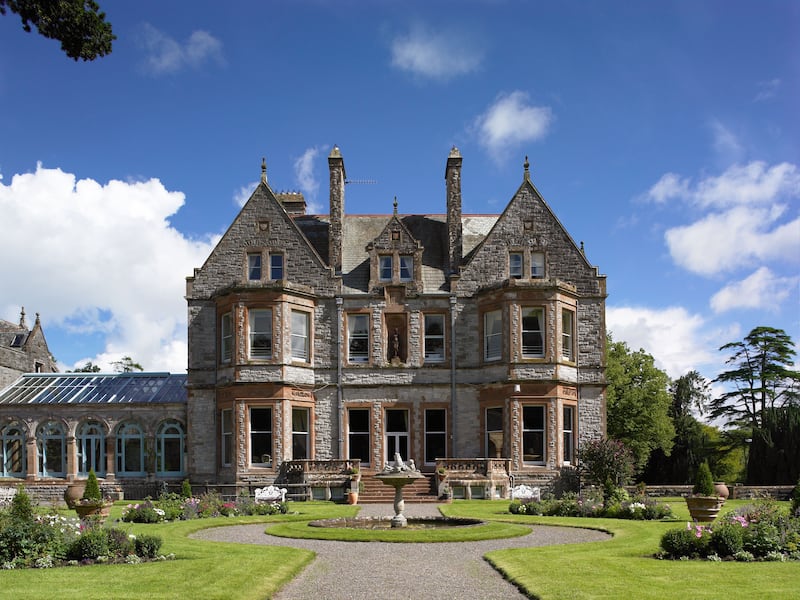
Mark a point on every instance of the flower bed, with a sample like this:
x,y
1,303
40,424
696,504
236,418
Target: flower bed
x,y
619,506
31,540
758,531
173,507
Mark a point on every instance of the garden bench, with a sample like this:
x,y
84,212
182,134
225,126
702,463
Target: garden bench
x,y
7,495
270,493
526,493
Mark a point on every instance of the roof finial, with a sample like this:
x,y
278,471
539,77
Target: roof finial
x,y
395,205
263,170
527,167
22,317
38,322
583,250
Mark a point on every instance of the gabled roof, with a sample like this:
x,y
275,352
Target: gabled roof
x,y
96,388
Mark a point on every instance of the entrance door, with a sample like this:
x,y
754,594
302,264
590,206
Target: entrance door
x,y
396,434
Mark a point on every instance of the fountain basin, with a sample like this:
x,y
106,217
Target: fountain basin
x,y
387,523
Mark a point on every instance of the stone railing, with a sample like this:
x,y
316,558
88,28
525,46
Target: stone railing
x,y
476,466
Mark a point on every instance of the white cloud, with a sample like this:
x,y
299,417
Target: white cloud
x,y
242,195
672,335
739,237
440,55
304,174
767,89
510,121
100,259
763,289
668,187
166,55
753,183
725,143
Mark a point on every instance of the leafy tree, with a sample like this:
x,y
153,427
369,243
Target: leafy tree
x,y
89,367
607,463
760,377
637,402
774,451
126,365
77,24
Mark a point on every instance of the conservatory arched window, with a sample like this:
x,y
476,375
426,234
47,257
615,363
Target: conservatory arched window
x,y
169,449
51,448
91,448
130,450
14,458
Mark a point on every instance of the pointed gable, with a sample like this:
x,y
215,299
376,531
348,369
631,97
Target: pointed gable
x,y
395,256
263,227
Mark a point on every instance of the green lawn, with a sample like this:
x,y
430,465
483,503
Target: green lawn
x,y
623,567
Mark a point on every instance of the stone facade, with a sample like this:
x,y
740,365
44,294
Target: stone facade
x,y
341,337
23,350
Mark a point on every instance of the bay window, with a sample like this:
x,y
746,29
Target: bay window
x,y
532,332
493,335
533,435
261,436
300,322
260,325
567,336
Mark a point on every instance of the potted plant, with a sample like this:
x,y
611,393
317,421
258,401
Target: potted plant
x,y
354,472
352,492
447,494
441,473
92,502
704,503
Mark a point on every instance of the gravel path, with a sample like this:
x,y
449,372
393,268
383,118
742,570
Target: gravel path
x,y
379,570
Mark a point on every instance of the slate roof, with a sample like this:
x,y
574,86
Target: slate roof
x,y
96,388
12,335
360,230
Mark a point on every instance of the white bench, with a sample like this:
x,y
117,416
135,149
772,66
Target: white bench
x,y
270,493
526,493
7,495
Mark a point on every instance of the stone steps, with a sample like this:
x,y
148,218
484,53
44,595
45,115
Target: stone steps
x,y
375,491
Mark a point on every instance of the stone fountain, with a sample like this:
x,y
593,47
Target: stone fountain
x,y
399,475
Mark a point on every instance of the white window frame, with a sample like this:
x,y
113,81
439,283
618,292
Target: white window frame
x,y
515,265
489,431
385,267
567,335
302,435
50,436
276,266
537,265
14,451
262,432
493,335
254,266
568,434
91,447
528,431
127,433
356,333
170,432
226,435
226,337
406,267
530,350
432,340
254,351
301,324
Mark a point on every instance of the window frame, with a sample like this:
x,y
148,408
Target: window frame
x,y
255,269
441,338
305,336
568,335
268,433
226,338
568,437
51,431
14,450
538,265
226,437
515,271
385,261
542,313
126,432
304,435
525,431
168,431
490,353
487,432
355,336
406,263
277,271
252,313
90,443
439,435
359,435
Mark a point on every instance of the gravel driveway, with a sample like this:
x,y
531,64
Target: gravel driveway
x,y
379,570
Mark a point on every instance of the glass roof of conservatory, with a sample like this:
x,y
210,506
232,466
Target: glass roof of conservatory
x,y
95,388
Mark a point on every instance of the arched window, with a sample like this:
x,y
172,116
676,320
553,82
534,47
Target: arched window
x,y
51,448
91,448
14,458
130,450
169,449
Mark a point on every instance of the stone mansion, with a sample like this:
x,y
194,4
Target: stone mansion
x,y
455,340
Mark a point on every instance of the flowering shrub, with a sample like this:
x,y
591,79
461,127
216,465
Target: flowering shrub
x,y
759,531
172,507
590,504
145,512
31,540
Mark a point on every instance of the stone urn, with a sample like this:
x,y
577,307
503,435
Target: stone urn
x,y
704,508
93,509
74,492
721,489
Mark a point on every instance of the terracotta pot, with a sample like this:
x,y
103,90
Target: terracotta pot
x,y
721,489
93,510
352,497
704,508
74,492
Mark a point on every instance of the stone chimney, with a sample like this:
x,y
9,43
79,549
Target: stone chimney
x,y
336,228
293,202
452,176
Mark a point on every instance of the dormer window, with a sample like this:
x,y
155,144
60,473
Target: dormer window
x,y
276,266
515,265
386,268
406,268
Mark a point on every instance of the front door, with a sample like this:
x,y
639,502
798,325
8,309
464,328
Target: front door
x,y
396,434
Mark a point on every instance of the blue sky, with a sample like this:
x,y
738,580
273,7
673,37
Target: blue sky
x,y
664,135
